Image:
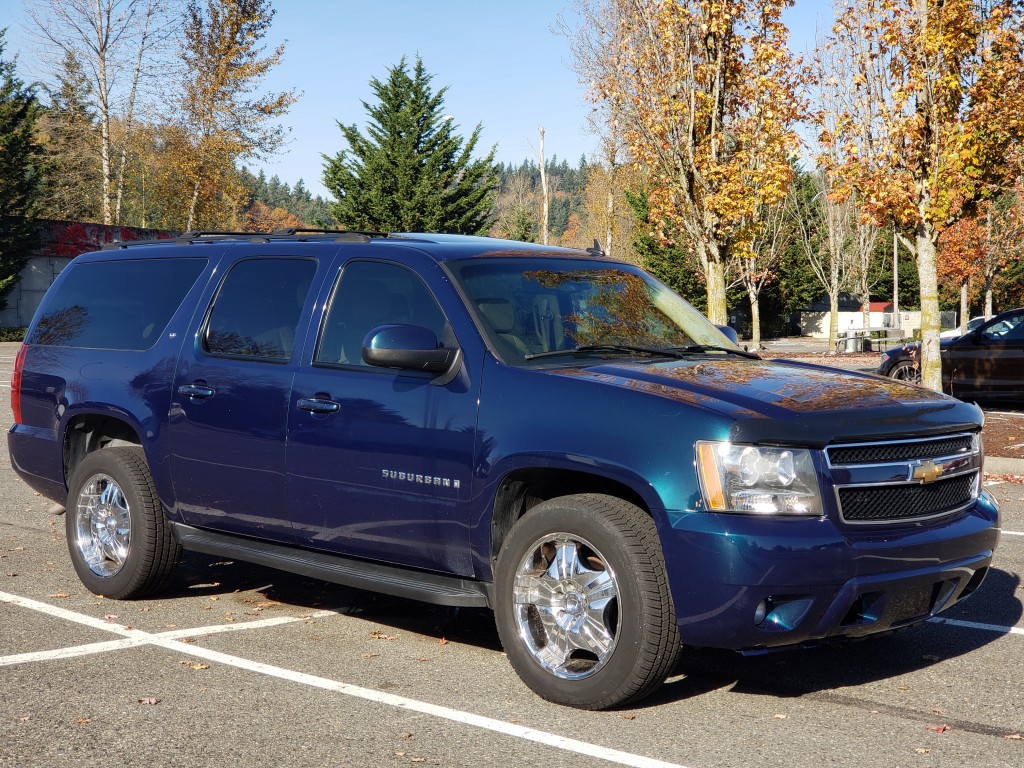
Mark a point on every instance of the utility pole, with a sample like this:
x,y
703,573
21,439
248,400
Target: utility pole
x,y
896,278
544,190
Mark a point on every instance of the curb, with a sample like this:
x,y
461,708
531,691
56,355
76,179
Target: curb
x,y
997,465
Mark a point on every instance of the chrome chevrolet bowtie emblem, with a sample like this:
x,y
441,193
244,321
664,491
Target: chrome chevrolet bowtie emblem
x,y
927,471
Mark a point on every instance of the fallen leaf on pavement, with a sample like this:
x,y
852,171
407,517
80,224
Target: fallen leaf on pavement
x,y
940,728
149,700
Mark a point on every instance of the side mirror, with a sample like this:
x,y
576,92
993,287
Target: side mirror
x,y
730,333
407,347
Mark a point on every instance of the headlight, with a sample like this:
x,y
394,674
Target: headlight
x,y
758,480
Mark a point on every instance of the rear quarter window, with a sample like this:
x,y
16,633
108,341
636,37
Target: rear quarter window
x,y
115,304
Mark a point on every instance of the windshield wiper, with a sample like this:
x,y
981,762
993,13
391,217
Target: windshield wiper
x,y
701,348
629,349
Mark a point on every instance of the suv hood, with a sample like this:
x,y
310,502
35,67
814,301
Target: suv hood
x,y
792,403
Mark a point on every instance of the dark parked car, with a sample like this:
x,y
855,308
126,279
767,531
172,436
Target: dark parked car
x,y
543,431
985,364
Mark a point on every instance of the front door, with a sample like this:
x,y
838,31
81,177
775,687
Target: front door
x,y
379,459
990,362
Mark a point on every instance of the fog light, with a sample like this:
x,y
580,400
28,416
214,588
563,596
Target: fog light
x,y
781,613
760,612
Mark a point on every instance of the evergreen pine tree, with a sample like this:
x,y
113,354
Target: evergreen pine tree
x,y
20,160
411,172
72,179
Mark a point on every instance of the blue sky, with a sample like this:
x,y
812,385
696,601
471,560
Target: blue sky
x,y
502,63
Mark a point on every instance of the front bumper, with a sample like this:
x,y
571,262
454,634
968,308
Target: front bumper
x,y
749,584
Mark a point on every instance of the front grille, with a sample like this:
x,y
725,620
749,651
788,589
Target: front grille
x,y
905,481
906,502
886,453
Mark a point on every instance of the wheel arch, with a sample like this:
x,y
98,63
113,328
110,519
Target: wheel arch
x,y
523,489
86,432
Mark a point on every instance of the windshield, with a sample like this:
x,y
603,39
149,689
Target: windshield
x,y
533,308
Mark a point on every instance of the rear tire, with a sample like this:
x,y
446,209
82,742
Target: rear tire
x,y
583,606
120,541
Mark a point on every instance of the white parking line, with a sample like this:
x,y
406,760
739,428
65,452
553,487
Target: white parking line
x,y
976,625
172,641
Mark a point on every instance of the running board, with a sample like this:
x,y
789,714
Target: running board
x,y
425,586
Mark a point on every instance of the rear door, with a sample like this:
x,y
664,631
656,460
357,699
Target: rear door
x,y
379,460
229,413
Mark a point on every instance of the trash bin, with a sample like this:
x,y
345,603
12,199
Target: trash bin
x,y
856,344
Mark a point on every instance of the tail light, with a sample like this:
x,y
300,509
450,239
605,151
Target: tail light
x,y
19,364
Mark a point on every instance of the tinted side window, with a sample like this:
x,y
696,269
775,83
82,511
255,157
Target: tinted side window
x,y
1008,329
116,304
369,294
256,312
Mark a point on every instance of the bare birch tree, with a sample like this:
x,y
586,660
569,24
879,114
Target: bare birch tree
x,y
118,44
824,227
758,268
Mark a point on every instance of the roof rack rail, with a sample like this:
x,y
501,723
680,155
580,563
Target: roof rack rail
x,y
200,235
343,235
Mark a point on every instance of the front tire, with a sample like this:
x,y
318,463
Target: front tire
x,y
120,542
583,607
906,370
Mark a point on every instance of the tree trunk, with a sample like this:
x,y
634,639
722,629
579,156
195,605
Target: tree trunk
x,y
755,317
964,309
609,231
192,208
833,319
717,309
931,362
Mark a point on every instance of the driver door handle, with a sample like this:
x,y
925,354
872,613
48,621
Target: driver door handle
x,y
317,405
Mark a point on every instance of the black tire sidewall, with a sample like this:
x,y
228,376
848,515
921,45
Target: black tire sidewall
x,y
619,679
132,577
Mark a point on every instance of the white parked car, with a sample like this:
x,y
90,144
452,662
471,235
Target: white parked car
x,y
954,333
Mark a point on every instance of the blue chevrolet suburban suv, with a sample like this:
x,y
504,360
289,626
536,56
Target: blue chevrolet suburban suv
x,y
466,421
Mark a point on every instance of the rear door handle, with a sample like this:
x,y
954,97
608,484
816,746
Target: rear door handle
x,y
196,391
316,405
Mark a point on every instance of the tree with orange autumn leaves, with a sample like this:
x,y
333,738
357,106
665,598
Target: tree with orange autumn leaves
x,y
707,95
939,86
962,255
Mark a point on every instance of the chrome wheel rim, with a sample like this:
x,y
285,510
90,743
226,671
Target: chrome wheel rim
x,y
102,525
566,606
906,372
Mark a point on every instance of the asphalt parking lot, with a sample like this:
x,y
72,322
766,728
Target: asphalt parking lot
x,y
243,666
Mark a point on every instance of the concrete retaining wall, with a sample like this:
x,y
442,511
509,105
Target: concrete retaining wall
x,y
61,242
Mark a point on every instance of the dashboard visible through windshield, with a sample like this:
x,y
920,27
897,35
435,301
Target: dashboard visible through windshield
x,y
533,309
